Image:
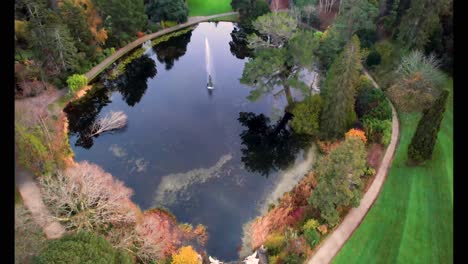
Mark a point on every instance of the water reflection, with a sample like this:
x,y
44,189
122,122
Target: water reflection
x,y
238,45
268,148
83,112
132,84
171,50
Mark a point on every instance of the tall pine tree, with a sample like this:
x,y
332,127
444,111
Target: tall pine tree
x,y
424,139
339,91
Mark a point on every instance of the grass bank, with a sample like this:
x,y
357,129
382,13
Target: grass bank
x,y
208,7
412,219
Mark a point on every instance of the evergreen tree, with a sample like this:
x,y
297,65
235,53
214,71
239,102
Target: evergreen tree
x,y
50,39
123,18
170,10
79,30
339,90
356,15
339,179
424,139
420,21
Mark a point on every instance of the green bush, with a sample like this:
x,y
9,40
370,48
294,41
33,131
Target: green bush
x,y
310,224
382,111
76,82
81,248
312,237
379,131
368,99
307,115
275,243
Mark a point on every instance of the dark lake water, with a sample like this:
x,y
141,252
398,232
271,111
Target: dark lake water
x,y
212,158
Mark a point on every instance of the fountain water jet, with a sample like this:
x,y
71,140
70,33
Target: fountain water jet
x,y
209,65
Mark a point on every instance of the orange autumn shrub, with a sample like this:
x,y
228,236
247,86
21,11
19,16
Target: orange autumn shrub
x,y
186,255
356,133
326,147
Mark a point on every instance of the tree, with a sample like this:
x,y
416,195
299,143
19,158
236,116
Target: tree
x,y
123,19
279,56
356,15
76,82
339,182
113,120
186,255
50,39
278,28
249,10
339,91
78,200
169,10
80,248
420,21
424,139
307,115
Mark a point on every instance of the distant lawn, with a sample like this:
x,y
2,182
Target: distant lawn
x,y
412,219
208,7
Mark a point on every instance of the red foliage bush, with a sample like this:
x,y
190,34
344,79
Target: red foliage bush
x,y
140,34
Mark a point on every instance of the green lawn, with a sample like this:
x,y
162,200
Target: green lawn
x,y
208,7
412,219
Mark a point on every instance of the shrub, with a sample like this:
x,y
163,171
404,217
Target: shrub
x,y
310,224
379,131
81,248
307,115
367,99
356,133
382,111
275,243
385,50
76,82
323,229
186,255
373,59
273,259
420,72
312,237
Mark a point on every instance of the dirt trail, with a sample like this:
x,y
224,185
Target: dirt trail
x,y
330,247
32,199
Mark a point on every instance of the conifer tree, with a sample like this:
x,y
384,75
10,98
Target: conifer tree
x,y
339,91
424,139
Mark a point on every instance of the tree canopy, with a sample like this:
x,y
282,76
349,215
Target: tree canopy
x,y
339,91
339,182
82,247
169,10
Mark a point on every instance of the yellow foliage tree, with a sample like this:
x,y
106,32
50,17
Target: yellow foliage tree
x,y
186,255
93,20
356,133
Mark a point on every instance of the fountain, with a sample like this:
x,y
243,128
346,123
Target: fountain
x,y
209,65
146,45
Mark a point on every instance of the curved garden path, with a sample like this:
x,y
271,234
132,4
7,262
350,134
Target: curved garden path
x,y
122,51
335,241
32,200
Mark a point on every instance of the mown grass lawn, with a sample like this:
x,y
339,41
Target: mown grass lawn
x,y
208,7
412,219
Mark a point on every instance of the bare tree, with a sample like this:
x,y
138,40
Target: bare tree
x,y
113,120
85,197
